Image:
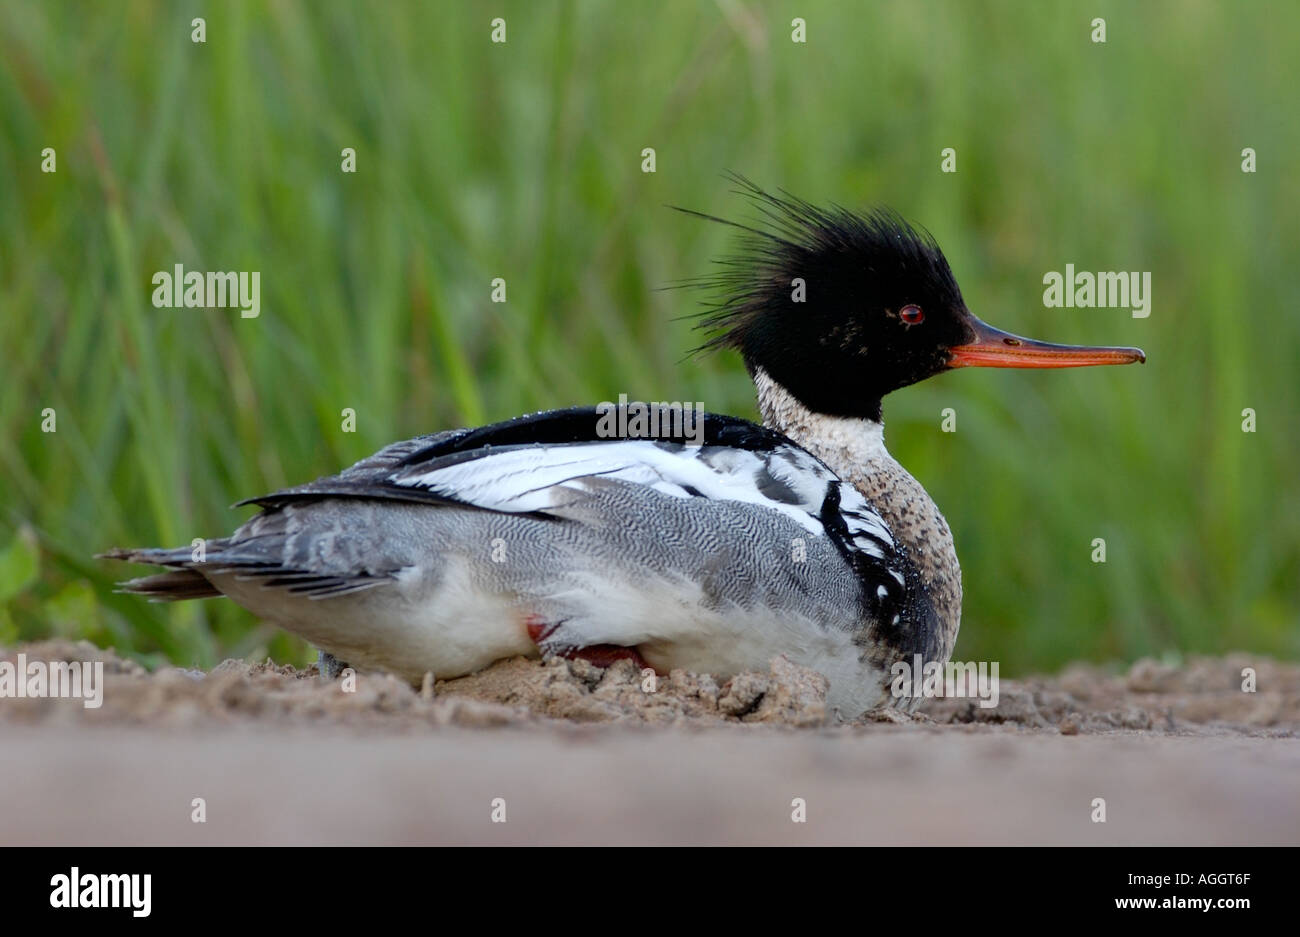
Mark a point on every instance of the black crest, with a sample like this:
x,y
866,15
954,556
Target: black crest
x,y
816,298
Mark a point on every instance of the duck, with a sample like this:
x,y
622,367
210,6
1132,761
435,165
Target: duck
x,y
711,544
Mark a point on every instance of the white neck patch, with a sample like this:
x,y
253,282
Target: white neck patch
x,y
842,442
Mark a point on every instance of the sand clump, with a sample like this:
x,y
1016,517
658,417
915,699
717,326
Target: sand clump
x,y
1202,696
512,692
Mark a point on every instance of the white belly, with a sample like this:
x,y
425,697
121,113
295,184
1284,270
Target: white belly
x,y
457,628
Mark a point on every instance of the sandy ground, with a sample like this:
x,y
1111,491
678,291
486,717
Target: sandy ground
x,y
571,753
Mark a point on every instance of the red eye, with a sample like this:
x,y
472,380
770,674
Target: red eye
x,y
912,315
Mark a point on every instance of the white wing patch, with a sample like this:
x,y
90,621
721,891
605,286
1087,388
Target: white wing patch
x,y
536,478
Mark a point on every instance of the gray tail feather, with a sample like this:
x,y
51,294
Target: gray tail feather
x,y
248,560
182,583
175,586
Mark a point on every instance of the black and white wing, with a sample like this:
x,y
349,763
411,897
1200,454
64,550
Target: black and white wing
x,y
540,465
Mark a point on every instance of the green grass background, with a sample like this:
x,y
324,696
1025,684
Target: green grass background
x,y
523,160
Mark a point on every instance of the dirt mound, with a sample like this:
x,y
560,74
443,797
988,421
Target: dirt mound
x,y
1203,696
512,692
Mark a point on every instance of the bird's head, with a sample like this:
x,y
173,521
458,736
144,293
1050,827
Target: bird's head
x,y
840,308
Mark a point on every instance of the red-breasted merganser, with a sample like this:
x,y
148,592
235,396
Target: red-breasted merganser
x,y
543,536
